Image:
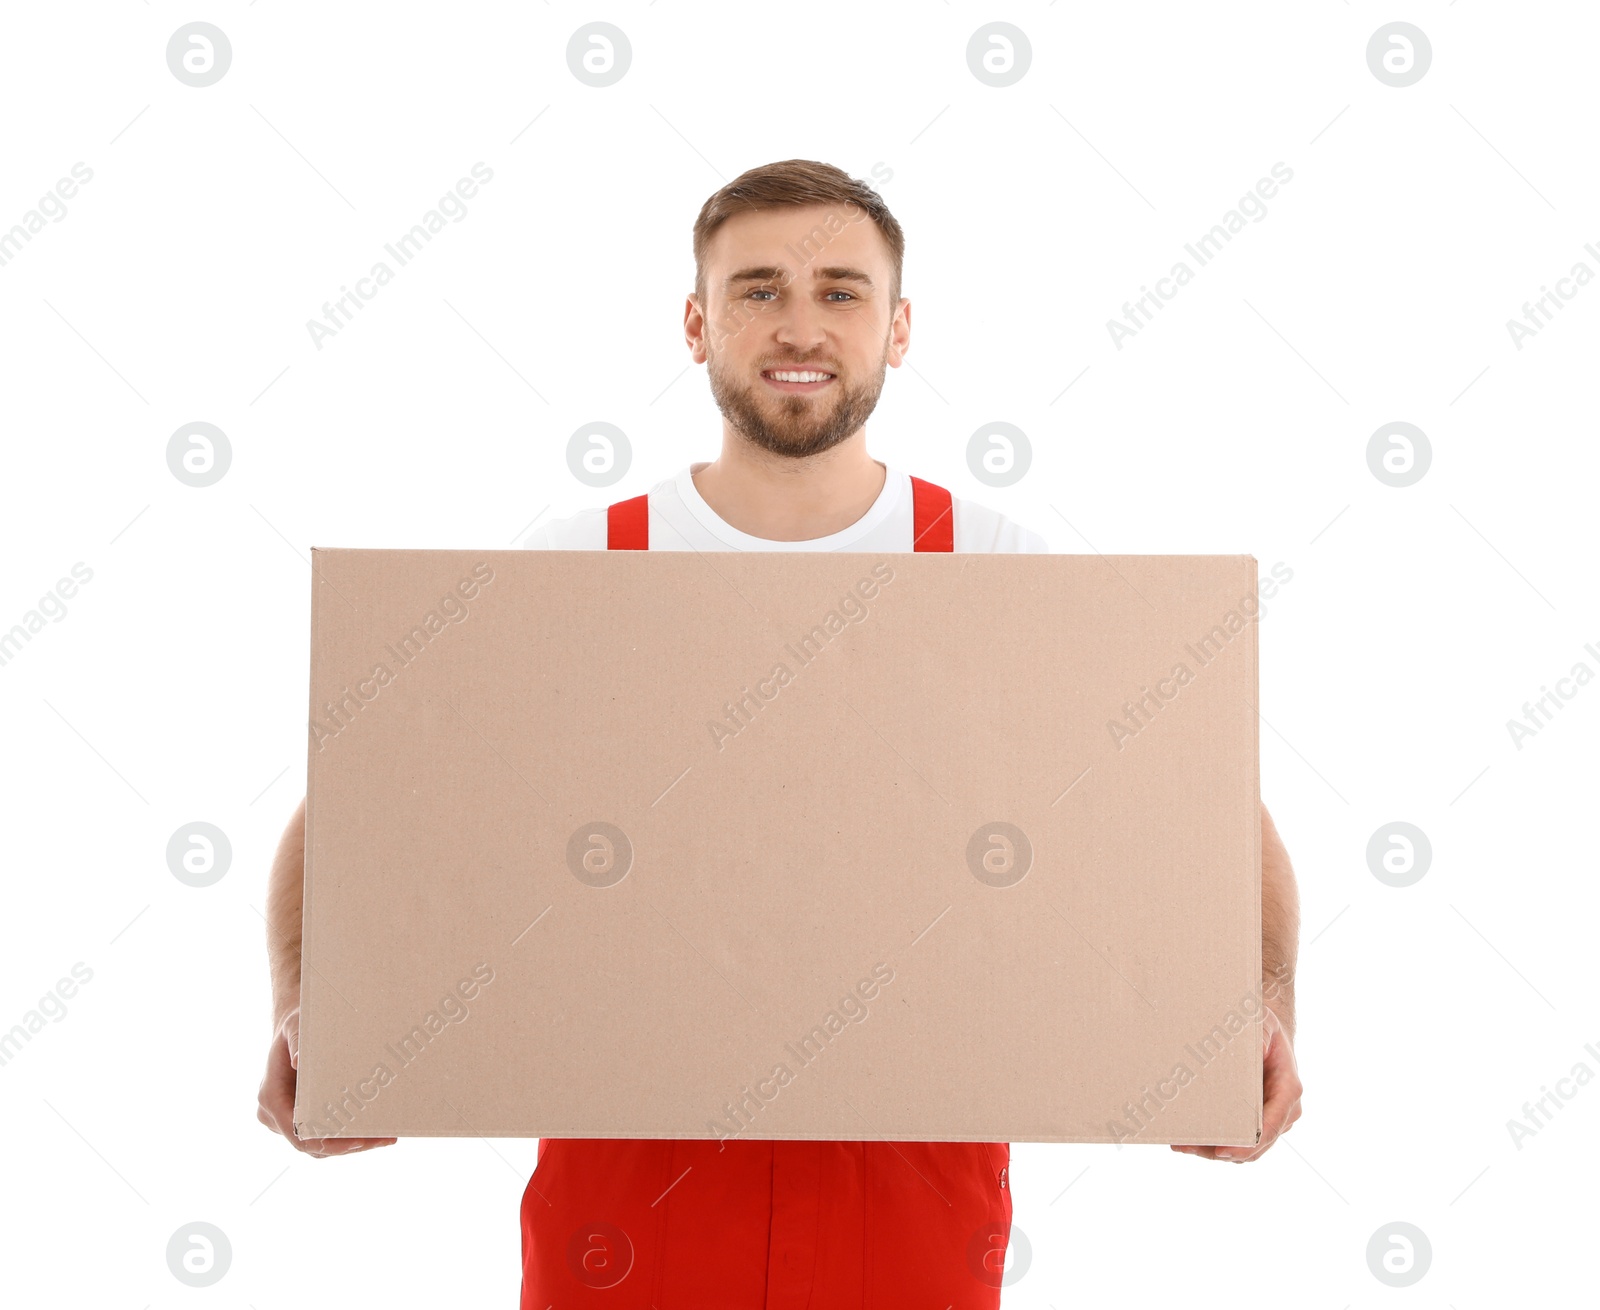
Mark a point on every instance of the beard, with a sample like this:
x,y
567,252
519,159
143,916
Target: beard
x,y
794,425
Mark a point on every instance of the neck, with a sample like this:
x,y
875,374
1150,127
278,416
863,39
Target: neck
x,y
784,499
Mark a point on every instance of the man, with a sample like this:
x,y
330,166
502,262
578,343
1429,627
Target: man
x,y
796,313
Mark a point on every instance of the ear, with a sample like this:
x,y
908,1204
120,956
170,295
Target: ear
x,y
694,329
900,334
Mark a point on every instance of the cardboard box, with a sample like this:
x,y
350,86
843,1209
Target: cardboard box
x,y
789,845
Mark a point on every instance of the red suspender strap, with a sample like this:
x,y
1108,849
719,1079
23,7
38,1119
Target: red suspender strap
x,y
628,524
932,520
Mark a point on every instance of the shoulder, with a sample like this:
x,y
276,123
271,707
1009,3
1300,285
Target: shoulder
x,y
980,530
588,529
585,530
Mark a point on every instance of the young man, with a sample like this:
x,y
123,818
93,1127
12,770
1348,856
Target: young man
x,y
797,314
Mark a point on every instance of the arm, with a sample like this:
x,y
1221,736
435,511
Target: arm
x,y
1280,946
285,908
285,905
1280,925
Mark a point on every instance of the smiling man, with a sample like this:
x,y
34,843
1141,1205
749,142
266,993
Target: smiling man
x,y
797,315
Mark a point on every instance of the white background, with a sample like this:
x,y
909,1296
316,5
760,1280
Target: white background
x,y
1419,620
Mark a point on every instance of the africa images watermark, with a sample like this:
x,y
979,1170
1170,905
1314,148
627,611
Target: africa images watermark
x,y
51,206
1252,206
52,1006
52,605
1537,1115
741,1112
1141,713
1537,315
337,314
341,712
1538,714
851,608
1140,1114
451,1010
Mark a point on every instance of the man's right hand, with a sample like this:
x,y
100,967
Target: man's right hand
x,y
276,1101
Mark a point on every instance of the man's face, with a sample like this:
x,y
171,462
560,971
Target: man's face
x,y
798,291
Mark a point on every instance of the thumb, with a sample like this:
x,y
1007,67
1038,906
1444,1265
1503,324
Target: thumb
x,y
291,1035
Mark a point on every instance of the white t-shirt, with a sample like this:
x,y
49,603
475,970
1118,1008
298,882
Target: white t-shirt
x,y
680,519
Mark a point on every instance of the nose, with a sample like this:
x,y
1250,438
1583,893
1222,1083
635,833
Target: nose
x,y
799,328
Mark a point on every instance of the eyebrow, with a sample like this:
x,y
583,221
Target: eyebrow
x,y
768,273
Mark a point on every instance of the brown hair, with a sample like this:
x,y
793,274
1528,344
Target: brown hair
x,y
796,183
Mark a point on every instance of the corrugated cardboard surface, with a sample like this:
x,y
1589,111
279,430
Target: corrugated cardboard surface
x,y
811,845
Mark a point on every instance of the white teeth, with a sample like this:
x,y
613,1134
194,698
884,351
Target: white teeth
x,y
799,377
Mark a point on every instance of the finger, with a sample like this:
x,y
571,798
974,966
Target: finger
x,y
1281,1090
1212,1152
1244,1154
1291,1118
1273,1117
326,1146
1274,1123
1282,1095
277,1088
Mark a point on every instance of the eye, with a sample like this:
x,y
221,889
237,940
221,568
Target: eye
x,y
761,291
846,294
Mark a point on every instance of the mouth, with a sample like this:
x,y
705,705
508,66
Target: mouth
x,y
800,380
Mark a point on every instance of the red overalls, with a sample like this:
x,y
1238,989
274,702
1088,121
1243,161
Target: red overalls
x,y
663,1224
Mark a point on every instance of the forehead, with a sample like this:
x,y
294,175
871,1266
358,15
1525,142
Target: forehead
x,y
814,241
